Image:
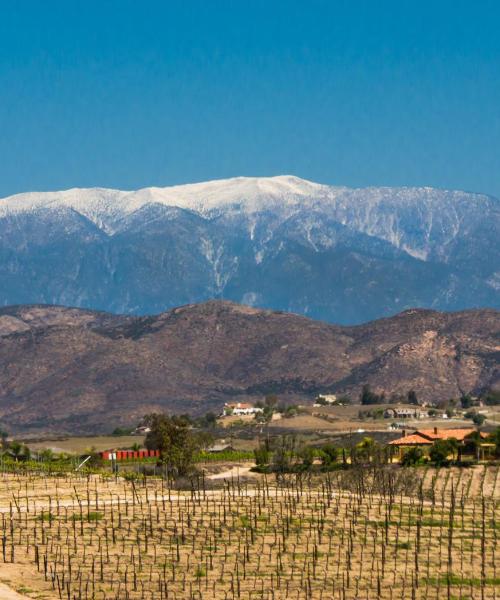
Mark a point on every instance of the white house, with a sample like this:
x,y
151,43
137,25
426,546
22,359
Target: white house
x,y
240,408
325,399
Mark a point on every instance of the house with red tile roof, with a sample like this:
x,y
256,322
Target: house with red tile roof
x,y
425,438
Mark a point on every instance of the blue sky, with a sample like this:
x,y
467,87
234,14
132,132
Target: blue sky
x,y
130,94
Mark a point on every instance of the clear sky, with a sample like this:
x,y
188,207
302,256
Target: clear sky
x,y
129,94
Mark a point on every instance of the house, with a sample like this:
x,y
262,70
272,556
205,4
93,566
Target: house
x,y
218,448
240,408
141,430
401,412
325,399
425,438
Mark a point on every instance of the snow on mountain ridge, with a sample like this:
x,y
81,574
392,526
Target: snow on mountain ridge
x,y
420,221
253,194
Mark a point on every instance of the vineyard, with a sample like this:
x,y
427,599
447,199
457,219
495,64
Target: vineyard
x,y
355,534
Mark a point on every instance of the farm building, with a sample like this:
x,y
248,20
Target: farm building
x,y
240,408
129,454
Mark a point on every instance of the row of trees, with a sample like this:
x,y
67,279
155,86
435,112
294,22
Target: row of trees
x,y
488,397
368,396
179,443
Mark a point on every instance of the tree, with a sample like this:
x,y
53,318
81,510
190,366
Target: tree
x,y
4,435
262,456
441,450
119,431
283,453
207,421
366,450
175,440
329,454
369,397
46,455
491,397
343,400
210,419
16,450
271,400
307,455
478,419
472,443
466,401
413,456
412,397
321,401
494,438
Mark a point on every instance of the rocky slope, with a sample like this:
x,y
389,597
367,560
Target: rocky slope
x,y
66,369
338,254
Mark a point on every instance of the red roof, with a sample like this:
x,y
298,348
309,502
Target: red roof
x,y
446,434
426,437
414,439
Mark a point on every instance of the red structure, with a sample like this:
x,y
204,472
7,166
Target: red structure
x,y
129,454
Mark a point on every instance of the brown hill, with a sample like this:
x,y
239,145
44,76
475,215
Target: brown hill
x,y
73,370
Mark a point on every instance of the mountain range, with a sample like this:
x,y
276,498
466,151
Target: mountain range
x,y
332,253
79,371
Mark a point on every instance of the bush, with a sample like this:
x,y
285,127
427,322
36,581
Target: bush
x,y
492,398
369,397
412,457
478,419
119,431
262,456
441,450
329,454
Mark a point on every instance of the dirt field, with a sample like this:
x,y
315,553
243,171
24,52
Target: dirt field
x,y
396,534
80,445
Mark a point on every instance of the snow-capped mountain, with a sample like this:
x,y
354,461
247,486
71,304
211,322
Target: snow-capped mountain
x,y
279,242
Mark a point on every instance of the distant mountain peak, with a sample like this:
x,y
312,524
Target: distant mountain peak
x,y
279,242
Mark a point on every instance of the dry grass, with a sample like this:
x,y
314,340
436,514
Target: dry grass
x,y
79,445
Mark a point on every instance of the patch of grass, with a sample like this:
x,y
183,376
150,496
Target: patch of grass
x,y
91,516
200,572
245,521
24,590
403,545
46,517
453,579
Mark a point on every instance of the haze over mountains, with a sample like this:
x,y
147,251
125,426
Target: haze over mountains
x,y
333,253
71,370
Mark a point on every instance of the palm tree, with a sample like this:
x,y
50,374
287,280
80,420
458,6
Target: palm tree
x,y
16,450
47,455
366,449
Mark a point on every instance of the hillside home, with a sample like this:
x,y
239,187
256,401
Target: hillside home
x,y
401,412
240,408
325,399
425,438
141,430
219,448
